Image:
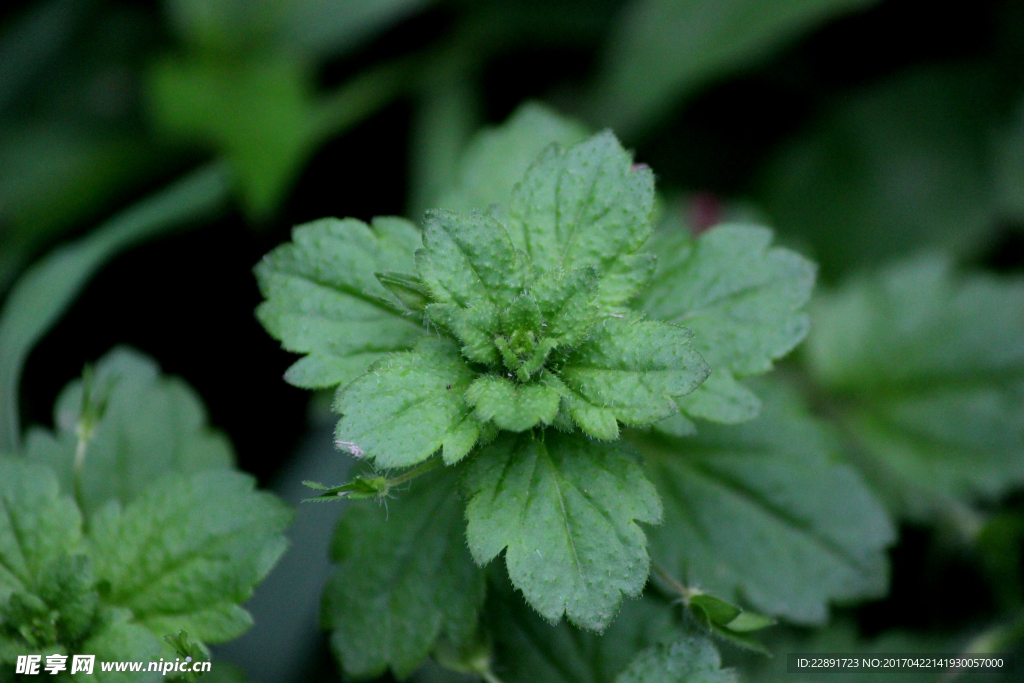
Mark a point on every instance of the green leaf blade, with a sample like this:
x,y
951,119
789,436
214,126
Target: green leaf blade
x,y
403,580
564,510
185,553
405,408
323,298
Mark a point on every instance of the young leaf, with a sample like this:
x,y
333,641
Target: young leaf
x,y
403,580
510,405
498,158
762,510
633,369
324,300
408,406
468,258
563,509
586,206
927,369
743,301
687,660
187,551
152,425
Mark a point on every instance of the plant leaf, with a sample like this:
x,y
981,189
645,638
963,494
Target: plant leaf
x,y
664,49
927,368
187,551
510,405
743,301
324,300
563,509
586,206
409,405
38,526
633,369
496,159
687,660
403,580
762,510
152,424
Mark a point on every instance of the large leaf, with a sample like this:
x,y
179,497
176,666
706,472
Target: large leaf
x,y
323,299
663,49
743,301
408,406
927,368
687,660
498,158
763,514
152,424
43,294
902,164
630,370
403,580
563,509
188,551
587,206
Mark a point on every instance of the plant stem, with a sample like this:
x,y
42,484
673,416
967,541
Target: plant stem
x,y
490,677
667,577
415,472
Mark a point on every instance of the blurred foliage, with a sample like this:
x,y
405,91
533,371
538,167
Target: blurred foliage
x,y
866,132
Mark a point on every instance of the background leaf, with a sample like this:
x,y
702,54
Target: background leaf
x,y
403,579
762,514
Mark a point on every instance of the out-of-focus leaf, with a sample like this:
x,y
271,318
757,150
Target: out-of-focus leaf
x,y
900,165
48,288
53,174
152,424
926,372
662,49
497,158
258,112
762,511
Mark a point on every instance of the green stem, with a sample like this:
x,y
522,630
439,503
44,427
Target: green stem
x,y
49,287
673,583
433,463
360,97
489,677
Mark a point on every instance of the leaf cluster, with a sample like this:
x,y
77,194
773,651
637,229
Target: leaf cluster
x,y
127,532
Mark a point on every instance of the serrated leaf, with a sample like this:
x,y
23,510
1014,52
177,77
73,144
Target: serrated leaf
x,y
119,639
632,369
403,580
586,206
927,367
39,527
468,258
762,511
566,303
152,424
324,300
563,509
743,300
186,552
498,158
527,648
409,405
510,405
687,660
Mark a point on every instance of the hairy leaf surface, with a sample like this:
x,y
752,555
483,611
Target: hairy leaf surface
x,y
563,509
404,578
152,424
186,552
687,660
324,300
587,206
928,372
631,369
742,298
761,513
409,405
